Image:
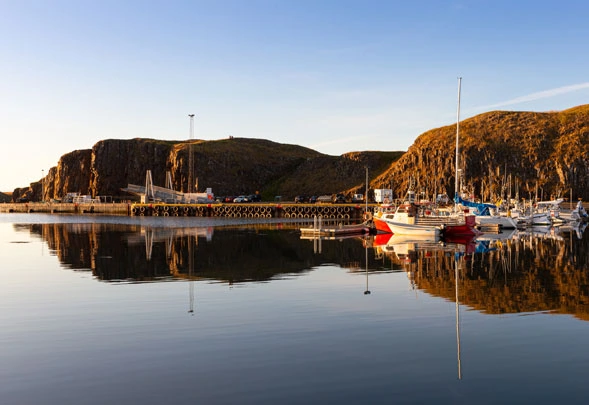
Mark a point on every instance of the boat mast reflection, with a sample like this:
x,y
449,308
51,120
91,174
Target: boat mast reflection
x,y
457,257
367,291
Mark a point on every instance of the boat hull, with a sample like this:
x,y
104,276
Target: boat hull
x,y
426,226
468,228
504,222
416,230
381,225
354,229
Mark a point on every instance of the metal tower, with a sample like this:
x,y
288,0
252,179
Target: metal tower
x,y
190,158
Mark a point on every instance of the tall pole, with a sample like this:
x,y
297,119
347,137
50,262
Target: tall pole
x,y
366,195
190,163
457,168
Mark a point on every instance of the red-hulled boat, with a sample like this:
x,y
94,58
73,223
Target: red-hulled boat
x,y
416,219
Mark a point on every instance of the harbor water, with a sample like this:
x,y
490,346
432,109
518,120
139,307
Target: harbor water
x,y
151,310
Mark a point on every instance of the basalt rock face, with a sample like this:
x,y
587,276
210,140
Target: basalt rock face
x,y
229,166
532,154
72,174
117,163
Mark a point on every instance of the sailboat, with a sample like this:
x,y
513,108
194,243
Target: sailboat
x,y
411,218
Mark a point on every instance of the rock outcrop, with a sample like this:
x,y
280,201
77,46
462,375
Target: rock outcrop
x,y
543,155
534,155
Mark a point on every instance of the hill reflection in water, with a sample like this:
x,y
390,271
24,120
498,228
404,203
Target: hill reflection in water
x,y
505,273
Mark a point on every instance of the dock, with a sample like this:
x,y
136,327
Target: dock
x,y
67,208
334,230
344,212
252,210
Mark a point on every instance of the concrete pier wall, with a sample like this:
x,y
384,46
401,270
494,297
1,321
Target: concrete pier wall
x,y
247,210
72,208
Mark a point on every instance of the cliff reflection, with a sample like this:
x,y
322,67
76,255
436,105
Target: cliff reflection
x,y
522,272
232,255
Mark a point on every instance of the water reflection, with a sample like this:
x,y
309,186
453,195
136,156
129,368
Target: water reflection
x,y
521,271
515,272
137,253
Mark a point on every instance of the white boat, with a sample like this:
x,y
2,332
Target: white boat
x,y
539,218
411,219
399,228
543,213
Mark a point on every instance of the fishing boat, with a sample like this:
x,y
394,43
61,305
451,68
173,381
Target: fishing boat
x,y
406,222
420,219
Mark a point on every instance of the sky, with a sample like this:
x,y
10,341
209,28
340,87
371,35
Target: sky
x,y
333,75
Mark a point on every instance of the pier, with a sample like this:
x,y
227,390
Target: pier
x,y
251,210
68,208
227,210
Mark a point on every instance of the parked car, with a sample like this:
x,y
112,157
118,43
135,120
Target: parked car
x,y
229,199
301,199
358,198
324,198
313,199
240,199
254,198
339,198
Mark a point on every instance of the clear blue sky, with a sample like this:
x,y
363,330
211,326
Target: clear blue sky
x,y
336,76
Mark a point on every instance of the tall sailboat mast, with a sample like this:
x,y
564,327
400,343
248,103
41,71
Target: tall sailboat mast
x,y
457,167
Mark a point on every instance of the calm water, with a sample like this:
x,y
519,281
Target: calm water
x,y
119,310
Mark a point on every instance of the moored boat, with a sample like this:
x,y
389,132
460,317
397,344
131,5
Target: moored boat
x,y
543,213
414,219
486,214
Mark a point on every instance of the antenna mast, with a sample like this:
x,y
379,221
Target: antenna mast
x,y
457,168
190,162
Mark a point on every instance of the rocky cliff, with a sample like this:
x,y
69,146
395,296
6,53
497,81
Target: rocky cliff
x,y
539,155
543,154
229,166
